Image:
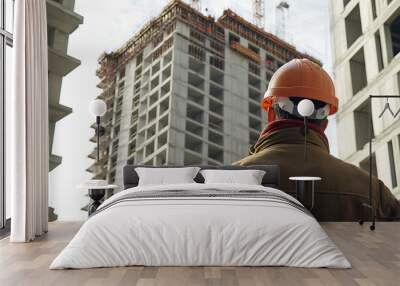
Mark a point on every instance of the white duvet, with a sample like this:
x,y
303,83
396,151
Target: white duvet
x,y
200,231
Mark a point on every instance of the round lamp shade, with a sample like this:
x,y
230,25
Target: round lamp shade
x,y
305,107
98,107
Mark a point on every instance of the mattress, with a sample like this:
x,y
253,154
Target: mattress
x,y
201,225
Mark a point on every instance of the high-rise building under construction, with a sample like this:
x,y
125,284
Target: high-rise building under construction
x,y
186,89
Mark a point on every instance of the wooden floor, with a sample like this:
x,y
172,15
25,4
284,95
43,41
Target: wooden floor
x,y
375,257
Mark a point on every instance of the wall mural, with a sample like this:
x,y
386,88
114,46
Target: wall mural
x,y
185,88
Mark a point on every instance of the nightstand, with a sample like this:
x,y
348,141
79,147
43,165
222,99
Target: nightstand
x,y
96,193
305,190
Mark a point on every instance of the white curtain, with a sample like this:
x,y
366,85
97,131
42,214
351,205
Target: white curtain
x,y
27,159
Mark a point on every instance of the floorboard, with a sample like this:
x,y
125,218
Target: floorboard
x,y
374,255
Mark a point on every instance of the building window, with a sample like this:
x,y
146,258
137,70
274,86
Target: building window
x,y
254,49
398,81
191,159
392,30
215,153
197,52
373,8
217,47
364,164
197,36
6,43
233,38
254,68
217,62
358,72
345,2
196,66
50,36
216,76
353,26
139,59
253,137
268,76
392,164
254,81
122,73
361,125
379,50
193,144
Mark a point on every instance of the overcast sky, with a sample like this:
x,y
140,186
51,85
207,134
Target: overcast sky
x,y
109,24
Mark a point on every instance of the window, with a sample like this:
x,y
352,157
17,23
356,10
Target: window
x,y
254,68
216,153
139,59
373,8
233,38
392,32
358,72
217,62
398,81
6,42
197,52
379,50
122,73
254,49
194,144
353,26
217,47
197,36
361,124
392,164
364,164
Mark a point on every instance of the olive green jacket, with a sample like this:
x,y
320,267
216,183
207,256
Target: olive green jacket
x,y
344,187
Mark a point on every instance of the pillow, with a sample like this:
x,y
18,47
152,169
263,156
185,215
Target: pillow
x,y
163,176
247,177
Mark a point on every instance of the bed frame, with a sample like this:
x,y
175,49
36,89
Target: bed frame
x,y
270,179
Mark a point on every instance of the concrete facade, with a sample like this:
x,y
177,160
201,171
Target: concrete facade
x,y
366,45
189,98
61,22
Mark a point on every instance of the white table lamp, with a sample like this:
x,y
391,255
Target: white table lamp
x,y
98,108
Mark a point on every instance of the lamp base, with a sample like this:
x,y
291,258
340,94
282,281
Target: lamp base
x,y
96,195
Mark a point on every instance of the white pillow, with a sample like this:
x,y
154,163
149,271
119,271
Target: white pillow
x,y
247,177
163,176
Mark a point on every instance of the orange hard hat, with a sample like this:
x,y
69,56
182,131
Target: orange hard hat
x,y
301,78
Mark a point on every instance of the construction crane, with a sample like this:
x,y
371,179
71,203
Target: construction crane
x,y
281,17
259,13
195,4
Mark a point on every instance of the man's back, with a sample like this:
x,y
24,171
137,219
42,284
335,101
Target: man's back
x,y
343,188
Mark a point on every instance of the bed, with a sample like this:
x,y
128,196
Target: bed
x,y
201,224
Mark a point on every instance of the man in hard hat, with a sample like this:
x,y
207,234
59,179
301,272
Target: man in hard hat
x,y
344,187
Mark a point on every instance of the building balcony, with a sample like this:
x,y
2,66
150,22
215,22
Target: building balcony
x,y
61,18
103,139
58,111
55,160
103,153
105,83
98,170
61,63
